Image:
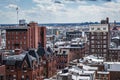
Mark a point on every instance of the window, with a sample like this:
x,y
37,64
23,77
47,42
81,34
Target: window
x,y
24,42
24,32
108,66
92,41
99,76
8,47
92,28
27,77
98,28
104,28
22,78
104,50
16,37
8,42
64,52
21,42
14,75
104,37
10,77
24,37
98,50
93,50
92,33
104,33
8,68
99,46
92,46
104,42
104,46
105,75
98,42
92,37
16,32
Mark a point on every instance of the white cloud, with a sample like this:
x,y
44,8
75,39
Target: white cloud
x,y
75,1
42,1
12,6
49,5
46,11
117,0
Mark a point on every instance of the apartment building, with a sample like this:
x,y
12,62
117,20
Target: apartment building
x,y
25,37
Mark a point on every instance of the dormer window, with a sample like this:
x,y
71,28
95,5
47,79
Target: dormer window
x,y
24,67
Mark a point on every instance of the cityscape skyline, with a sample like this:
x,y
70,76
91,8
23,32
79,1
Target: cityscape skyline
x,y
59,11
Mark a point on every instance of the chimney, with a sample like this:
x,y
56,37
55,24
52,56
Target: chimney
x,y
18,51
32,23
107,20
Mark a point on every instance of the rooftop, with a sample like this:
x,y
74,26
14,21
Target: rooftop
x,y
102,72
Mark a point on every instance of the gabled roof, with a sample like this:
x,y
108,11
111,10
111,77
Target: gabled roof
x,y
41,51
115,28
44,52
50,50
10,62
17,60
34,54
28,59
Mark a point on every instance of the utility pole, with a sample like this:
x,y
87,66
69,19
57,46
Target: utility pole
x,y
17,13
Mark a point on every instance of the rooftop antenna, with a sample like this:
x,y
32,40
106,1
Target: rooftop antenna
x,y
17,13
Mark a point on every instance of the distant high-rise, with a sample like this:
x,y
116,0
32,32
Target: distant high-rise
x,y
105,21
99,35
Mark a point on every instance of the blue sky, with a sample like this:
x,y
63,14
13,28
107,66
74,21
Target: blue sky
x,y
59,11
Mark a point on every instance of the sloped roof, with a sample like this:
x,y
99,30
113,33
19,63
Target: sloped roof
x,y
115,28
10,62
50,50
117,37
41,51
28,60
17,60
34,54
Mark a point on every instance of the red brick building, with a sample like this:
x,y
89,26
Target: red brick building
x,y
99,36
101,75
2,72
23,67
49,61
114,55
66,54
62,58
31,65
25,37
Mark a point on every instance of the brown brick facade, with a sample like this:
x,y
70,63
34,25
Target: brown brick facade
x,y
25,37
2,72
